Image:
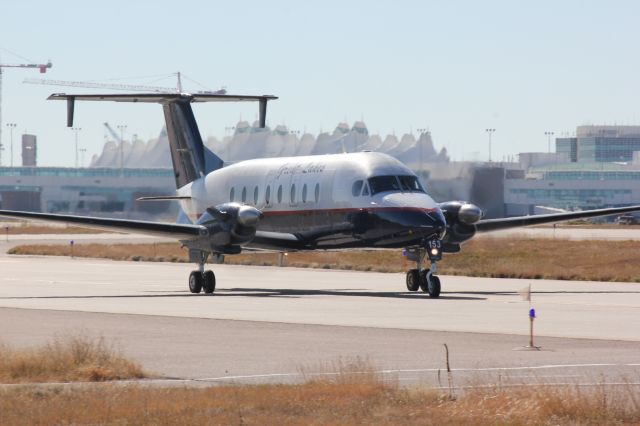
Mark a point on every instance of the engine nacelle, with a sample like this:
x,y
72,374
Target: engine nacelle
x,y
469,214
461,218
230,226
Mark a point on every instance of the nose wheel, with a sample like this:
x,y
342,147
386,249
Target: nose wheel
x,y
413,280
425,279
430,283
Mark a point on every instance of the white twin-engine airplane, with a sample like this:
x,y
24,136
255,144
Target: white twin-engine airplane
x,y
360,200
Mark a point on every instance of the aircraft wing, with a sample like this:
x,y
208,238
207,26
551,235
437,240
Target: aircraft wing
x,y
178,231
488,225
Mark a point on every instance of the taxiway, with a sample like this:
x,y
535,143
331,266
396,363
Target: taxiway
x,y
268,323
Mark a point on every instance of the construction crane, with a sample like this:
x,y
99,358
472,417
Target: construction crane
x,y
112,132
126,87
93,85
43,69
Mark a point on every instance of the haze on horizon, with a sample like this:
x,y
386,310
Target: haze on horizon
x,y
454,68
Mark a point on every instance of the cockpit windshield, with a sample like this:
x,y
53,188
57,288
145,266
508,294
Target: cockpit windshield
x,y
410,183
394,183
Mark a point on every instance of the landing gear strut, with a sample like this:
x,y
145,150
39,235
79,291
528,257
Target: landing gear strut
x,y
425,279
202,280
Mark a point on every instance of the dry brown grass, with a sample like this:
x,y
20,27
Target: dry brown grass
x,y
28,228
484,257
343,400
77,358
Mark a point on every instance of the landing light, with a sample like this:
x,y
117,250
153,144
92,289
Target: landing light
x,y
434,251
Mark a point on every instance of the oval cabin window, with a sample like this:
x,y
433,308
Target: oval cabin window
x,y
304,193
255,196
244,194
267,195
280,194
232,194
293,193
317,192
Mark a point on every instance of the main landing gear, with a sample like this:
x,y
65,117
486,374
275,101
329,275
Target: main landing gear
x,y
425,279
202,280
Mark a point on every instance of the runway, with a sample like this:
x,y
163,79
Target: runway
x,y
267,323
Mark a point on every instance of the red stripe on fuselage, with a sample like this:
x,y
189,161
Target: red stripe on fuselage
x,y
343,210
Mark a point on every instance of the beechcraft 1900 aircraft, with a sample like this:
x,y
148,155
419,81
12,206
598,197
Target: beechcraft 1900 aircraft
x,y
364,200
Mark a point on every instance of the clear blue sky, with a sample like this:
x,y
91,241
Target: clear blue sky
x,y
455,67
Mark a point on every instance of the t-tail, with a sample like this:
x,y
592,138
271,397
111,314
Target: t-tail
x,y
191,159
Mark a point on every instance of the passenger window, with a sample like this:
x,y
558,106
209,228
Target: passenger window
x,y
244,194
317,194
280,194
365,190
255,196
232,194
267,194
356,188
304,193
293,193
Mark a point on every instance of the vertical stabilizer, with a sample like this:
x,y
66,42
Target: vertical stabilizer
x,y
191,159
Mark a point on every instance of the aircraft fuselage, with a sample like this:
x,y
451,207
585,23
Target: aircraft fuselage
x,y
362,199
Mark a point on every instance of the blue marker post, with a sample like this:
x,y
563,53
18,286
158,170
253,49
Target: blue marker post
x,y
532,316
71,244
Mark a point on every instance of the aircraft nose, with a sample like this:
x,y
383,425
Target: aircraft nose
x,y
425,223
438,222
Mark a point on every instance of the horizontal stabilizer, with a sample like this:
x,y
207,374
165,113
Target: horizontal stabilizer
x,y
162,98
165,198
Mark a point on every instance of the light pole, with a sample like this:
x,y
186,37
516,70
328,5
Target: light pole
x,y
548,134
490,132
82,151
122,128
11,126
76,130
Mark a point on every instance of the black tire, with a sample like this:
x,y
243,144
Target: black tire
x,y
413,280
209,282
434,287
195,282
423,280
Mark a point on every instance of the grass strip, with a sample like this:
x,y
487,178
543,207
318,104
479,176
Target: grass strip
x,y
21,228
518,257
347,400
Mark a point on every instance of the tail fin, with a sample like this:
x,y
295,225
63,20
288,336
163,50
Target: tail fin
x,y
191,159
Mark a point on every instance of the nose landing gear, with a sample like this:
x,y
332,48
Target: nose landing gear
x,y
425,279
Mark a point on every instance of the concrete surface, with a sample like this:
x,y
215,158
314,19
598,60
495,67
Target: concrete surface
x,y
266,324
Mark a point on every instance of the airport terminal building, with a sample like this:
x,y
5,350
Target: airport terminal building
x,y
87,191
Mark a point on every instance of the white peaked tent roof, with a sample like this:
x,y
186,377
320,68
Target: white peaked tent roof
x,y
252,142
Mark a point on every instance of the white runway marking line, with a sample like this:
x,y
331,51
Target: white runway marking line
x,y
417,370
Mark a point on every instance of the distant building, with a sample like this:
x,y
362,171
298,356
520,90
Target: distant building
x,y
573,186
94,191
250,141
568,147
29,150
601,144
